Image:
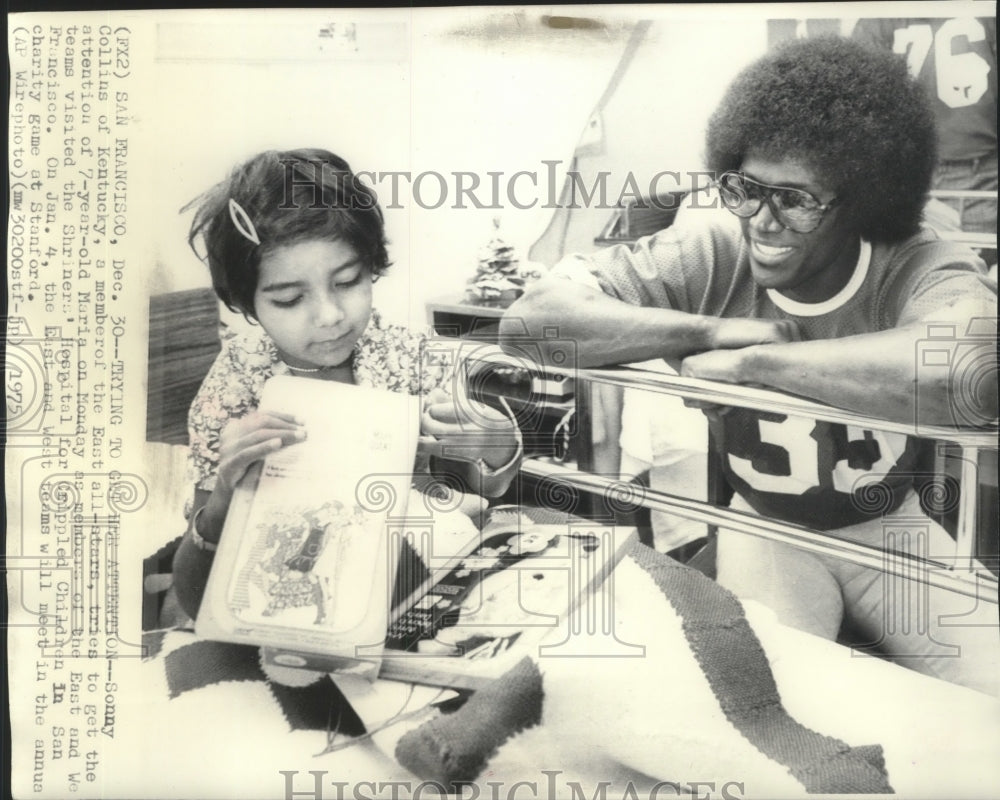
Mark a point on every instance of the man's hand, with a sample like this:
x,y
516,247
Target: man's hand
x,y
726,366
732,334
726,361
251,438
468,429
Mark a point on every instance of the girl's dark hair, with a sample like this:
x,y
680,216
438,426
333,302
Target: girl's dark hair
x,y
849,112
288,197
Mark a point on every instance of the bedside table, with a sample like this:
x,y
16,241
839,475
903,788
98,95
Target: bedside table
x,y
448,316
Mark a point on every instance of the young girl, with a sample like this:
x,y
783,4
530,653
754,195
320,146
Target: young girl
x,y
294,242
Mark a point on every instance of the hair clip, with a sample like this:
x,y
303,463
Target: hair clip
x,y
242,221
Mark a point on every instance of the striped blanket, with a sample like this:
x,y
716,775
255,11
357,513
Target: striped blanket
x,y
690,698
700,694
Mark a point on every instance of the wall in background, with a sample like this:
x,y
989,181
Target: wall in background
x,y
442,91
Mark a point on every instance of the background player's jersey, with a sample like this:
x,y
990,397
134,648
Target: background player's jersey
x,y
955,60
799,470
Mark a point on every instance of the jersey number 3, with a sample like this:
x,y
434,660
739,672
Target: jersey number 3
x,y
963,78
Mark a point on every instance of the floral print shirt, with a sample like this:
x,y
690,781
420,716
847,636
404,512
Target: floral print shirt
x,y
385,357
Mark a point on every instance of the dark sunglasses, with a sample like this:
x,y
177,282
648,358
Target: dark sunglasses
x,y
795,209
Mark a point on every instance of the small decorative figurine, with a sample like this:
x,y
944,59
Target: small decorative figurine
x,y
497,280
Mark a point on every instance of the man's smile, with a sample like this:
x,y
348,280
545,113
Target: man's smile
x,y
768,254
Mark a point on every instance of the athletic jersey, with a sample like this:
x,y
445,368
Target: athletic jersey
x,y
798,470
955,60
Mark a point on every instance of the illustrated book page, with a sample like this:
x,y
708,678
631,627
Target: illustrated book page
x,y
304,558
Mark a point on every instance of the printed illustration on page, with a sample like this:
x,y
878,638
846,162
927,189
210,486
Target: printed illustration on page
x,y
304,556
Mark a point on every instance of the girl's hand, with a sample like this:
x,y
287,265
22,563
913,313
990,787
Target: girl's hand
x,y
249,439
469,430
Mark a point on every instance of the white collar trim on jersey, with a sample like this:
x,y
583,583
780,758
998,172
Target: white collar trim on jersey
x,y
826,306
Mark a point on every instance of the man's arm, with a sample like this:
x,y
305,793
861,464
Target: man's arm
x,y
876,374
607,331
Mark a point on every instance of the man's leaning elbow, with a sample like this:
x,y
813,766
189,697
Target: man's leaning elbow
x,y
972,386
955,402
982,405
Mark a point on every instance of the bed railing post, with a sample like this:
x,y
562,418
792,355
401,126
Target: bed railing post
x,y
965,544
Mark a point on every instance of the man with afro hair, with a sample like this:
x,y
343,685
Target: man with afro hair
x,y
807,270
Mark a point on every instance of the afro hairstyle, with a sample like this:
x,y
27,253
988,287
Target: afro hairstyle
x,y
850,113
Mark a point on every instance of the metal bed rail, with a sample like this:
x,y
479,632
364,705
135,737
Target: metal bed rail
x,y
960,575
924,570
976,239
964,194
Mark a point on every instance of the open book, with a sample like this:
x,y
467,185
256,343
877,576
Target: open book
x,y
304,560
519,588
321,563
516,588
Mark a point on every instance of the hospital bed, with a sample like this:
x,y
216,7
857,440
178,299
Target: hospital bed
x,y
937,739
